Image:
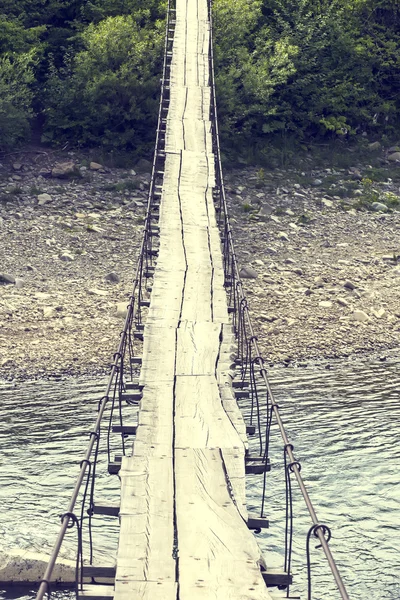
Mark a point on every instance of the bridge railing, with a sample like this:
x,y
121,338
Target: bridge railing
x,y
252,369
124,365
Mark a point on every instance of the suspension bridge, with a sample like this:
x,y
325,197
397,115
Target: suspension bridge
x,y
185,531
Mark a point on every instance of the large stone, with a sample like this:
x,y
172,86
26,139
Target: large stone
x,y
112,277
379,207
66,256
143,166
379,313
65,170
342,302
374,146
360,316
17,166
44,199
325,304
122,309
6,279
248,273
97,292
21,566
395,157
49,312
94,166
265,210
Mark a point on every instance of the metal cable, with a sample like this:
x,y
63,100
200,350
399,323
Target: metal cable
x,y
274,406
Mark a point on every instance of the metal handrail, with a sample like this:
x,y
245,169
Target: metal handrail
x,y
68,516
318,527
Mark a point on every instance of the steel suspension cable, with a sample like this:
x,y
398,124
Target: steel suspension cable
x,y
318,528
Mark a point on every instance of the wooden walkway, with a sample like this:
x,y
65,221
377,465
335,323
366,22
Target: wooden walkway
x,y
183,511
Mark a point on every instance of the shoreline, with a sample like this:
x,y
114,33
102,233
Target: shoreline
x,y
321,271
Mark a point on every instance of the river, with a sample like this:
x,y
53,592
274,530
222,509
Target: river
x,y
344,423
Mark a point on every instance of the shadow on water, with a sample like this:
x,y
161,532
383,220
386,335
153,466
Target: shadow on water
x,y
344,424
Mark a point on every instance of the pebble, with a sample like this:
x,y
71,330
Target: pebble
x,y
112,277
360,316
6,279
342,302
283,236
67,257
122,309
44,199
379,206
349,285
248,273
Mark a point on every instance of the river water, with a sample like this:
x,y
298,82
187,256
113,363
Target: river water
x,y
344,424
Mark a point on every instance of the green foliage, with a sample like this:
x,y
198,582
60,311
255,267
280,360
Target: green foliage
x,y
16,95
287,71
108,92
306,68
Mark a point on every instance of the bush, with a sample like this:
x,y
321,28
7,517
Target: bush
x,y
16,79
108,93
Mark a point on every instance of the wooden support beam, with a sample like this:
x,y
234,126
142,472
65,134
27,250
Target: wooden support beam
x,y
239,394
276,577
96,592
110,510
254,522
133,385
99,572
125,429
115,466
256,465
240,384
136,360
131,397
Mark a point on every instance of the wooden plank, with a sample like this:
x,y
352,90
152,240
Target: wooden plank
x,y
216,549
235,469
233,411
197,348
197,297
158,354
145,551
154,434
96,592
145,590
200,420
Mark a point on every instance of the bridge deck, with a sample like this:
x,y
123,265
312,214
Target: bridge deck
x,y
183,509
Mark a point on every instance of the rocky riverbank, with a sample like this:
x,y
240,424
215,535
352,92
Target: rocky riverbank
x,y
319,249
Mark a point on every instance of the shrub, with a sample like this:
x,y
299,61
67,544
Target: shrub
x,y
108,93
16,79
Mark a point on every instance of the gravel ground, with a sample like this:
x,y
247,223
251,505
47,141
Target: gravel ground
x,y
320,260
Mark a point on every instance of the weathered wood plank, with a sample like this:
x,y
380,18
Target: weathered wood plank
x,y
145,590
216,549
197,348
147,520
200,420
158,354
154,434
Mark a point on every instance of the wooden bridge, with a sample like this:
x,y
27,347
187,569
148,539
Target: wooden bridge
x,y
183,514
185,533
